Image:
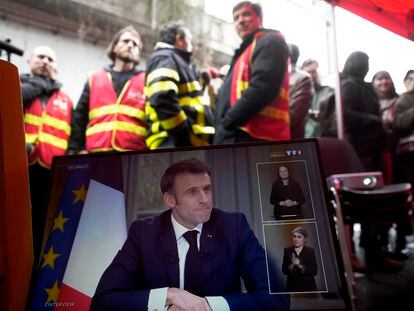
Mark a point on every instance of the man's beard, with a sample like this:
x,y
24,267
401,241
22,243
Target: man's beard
x,y
128,58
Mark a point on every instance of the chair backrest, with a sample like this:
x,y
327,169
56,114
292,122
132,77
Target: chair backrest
x,y
338,157
361,181
362,194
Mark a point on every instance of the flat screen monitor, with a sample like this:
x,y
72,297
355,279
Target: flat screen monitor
x,y
278,186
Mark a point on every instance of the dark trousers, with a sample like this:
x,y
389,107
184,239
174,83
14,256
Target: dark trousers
x,y
39,185
39,181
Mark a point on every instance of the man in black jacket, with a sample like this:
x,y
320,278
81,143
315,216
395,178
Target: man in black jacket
x,y
301,94
177,114
47,112
253,103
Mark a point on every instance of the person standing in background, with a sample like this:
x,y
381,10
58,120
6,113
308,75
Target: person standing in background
x,y
110,114
47,115
385,90
253,103
301,94
321,93
362,119
176,112
404,126
365,131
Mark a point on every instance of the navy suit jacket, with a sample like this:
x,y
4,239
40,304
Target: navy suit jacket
x,y
149,259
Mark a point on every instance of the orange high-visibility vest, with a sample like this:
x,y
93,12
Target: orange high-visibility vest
x,y
116,123
49,130
273,121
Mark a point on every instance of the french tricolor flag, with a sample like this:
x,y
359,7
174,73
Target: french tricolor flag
x,y
101,233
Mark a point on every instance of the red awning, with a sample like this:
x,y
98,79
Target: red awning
x,y
394,15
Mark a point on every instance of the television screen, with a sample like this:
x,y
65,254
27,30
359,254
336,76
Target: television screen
x,y
278,186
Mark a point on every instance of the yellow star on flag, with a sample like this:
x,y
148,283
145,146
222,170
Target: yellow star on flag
x,y
59,222
52,293
49,258
80,194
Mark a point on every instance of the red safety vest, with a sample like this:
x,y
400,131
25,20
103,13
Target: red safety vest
x,y
116,123
273,121
49,130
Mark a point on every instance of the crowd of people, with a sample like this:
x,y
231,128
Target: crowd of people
x,y
264,96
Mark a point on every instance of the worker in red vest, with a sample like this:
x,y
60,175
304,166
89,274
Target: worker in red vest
x,y
47,117
253,103
110,114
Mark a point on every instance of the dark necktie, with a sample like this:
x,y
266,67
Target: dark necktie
x,y
192,268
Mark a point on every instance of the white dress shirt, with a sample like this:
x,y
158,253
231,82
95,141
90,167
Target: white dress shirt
x,y
158,296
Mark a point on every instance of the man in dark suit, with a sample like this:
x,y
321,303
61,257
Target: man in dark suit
x,y
151,271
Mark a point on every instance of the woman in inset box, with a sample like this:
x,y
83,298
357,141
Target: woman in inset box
x,y
286,196
299,264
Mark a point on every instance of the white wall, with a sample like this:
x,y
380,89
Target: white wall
x,y
75,58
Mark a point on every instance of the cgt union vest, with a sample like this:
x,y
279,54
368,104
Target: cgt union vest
x,y
273,121
49,130
116,123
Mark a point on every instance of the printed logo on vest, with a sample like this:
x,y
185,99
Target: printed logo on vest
x,y
61,104
134,95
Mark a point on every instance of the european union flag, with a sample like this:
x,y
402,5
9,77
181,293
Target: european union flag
x,y
55,255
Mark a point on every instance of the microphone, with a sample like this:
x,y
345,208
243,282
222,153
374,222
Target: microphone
x,y
6,46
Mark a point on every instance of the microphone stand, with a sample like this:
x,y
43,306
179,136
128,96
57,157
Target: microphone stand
x,y
9,49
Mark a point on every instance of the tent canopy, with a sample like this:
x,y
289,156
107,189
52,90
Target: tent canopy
x,y
394,15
